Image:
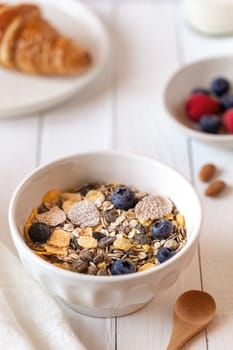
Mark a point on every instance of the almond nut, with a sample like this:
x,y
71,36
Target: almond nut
x,y
207,172
215,188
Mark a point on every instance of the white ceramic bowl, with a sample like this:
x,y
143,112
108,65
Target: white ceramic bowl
x,y
197,74
105,296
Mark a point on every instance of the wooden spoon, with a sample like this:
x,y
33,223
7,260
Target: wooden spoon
x,y
193,310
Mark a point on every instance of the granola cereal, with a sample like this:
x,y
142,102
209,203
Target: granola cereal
x,y
105,229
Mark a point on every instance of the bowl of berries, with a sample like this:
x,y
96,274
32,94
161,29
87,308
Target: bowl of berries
x,y
105,231
199,100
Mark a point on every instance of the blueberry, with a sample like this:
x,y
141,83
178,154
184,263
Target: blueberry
x,y
226,102
162,229
39,232
165,254
210,123
200,90
220,86
123,198
123,267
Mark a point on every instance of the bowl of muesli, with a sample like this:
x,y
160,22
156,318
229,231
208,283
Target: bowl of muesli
x,y
105,231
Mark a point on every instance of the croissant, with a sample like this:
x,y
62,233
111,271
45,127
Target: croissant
x,y
30,44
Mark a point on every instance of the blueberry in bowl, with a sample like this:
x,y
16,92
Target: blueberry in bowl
x,y
122,267
220,86
164,254
162,229
123,198
210,123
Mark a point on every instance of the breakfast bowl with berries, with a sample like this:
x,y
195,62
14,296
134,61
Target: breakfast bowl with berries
x,y
105,231
199,100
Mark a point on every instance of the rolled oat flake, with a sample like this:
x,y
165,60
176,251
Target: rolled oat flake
x,y
84,214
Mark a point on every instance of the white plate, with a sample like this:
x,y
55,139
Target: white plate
x,y
23,94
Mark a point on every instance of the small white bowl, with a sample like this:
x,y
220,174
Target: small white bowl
x,y
179,87
105,296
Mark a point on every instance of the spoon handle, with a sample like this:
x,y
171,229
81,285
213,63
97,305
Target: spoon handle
x,y
181,333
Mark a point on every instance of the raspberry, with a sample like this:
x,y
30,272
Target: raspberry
x,y
228,120
199,104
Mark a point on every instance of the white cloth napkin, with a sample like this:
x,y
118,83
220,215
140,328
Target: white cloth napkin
x,y
30,319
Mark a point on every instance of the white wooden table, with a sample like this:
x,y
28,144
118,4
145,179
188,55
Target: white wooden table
x,y
123,110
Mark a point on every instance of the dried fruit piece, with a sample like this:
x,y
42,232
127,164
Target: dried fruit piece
x,y
84,214
60,238
207,172
215,188
87,242
51,198
153,207
53,217
122,244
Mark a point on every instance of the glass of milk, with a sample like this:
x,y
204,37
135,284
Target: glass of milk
x,y
213,17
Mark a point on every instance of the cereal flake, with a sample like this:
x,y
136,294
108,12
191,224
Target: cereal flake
x,y
52,217
84,214
153,207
